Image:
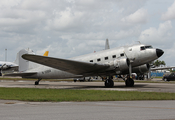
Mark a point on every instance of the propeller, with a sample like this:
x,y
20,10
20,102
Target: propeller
x,y
130,66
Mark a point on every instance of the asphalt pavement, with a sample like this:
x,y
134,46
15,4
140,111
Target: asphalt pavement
x,y
107,110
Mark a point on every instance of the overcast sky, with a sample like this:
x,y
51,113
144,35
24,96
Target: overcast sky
x,y
68,28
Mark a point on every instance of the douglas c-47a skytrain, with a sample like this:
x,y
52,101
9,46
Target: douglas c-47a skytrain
x,y
106,63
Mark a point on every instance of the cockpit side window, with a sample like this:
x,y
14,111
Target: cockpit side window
x,y
142,48
148,47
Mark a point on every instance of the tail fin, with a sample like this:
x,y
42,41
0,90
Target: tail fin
x,y
107,45
46,53
23,64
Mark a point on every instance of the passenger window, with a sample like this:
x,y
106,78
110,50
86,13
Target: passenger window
x,y
99,60
91,60
114,56
106,58
122,54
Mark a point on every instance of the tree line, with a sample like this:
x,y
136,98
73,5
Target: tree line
x,y
159,63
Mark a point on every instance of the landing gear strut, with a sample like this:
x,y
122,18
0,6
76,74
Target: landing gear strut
x,y
109,82
37,82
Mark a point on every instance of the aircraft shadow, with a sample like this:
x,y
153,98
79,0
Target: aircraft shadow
x,y
58,86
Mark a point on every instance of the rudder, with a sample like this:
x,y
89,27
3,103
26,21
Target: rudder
x,y
23,64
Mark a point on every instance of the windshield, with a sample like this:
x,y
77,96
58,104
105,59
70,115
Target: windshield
x,y
142,48
145,47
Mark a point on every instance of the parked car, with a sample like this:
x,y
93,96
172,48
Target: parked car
x,y
169,77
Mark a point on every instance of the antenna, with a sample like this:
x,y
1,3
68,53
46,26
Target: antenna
x,y
138,42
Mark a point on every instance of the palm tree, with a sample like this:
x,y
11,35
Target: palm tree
x,y
163,63
157,63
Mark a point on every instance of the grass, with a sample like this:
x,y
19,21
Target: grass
x,y
59,95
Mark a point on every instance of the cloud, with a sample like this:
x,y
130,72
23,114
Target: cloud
x,y
9,3
158,36
66,20
70,28
140,16
170,14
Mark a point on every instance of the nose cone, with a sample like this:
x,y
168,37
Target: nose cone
x,y
159,52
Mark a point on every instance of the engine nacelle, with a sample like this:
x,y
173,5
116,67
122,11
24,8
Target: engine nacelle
x,y
121,65
5,67
141,69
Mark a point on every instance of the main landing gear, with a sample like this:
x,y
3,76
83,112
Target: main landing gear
x,y
37,82
109,82
129,82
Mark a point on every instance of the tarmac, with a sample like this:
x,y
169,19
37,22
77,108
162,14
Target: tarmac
x,y
101,110
106,110
118,86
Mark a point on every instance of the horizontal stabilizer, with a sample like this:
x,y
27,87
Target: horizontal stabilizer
x,y
21,74
72,66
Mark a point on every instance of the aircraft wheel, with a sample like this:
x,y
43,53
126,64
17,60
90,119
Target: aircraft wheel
x,y
109,83
129,82
36,82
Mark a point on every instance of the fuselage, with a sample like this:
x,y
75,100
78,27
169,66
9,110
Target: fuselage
x,y
137,55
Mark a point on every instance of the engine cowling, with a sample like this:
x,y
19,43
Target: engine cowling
x,y
5,67
121,65
141,69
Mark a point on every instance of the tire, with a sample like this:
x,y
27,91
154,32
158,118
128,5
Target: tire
x,y
36,83
109,83
129,82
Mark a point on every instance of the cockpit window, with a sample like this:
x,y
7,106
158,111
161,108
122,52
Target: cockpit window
x,y
142,48
147,47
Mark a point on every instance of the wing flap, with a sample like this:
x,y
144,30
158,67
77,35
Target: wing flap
x,y
72,66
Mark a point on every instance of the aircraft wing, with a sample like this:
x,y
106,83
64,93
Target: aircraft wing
x,y
72,66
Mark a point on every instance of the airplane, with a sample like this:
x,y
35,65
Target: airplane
x,y
105,63
46,53
7,67
161,68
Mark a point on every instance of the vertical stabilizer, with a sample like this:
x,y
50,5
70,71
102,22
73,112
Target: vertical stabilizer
x,y
107,45
23,64
46,53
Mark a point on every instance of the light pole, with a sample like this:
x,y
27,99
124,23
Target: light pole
x,y
5,54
